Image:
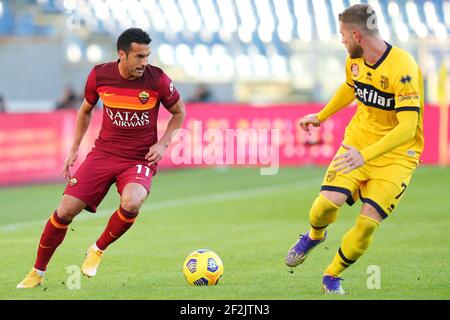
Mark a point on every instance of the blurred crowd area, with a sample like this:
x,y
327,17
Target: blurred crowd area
x,y
250,51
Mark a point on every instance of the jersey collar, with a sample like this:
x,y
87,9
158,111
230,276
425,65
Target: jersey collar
x,y
383,57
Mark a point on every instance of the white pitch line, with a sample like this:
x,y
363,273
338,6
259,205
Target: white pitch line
x,y
217,197
182,202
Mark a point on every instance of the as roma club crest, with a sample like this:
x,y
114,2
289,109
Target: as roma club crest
x,y
143,97
355,69
73,182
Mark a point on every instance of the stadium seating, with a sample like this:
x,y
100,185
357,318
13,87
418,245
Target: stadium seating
x,y
242,37
224,39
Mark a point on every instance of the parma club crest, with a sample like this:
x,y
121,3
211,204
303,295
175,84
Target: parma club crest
x,y
355,69
384,82
331,175
143,97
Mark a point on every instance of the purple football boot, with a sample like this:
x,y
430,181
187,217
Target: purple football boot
x,y
332,285
299,251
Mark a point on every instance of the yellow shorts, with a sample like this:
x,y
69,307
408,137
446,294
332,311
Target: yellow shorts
x,y
380,186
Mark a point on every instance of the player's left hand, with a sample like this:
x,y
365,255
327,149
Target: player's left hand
x,y
348,161
155,153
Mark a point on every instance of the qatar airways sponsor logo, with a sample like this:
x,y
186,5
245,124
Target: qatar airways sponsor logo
x,y
128,119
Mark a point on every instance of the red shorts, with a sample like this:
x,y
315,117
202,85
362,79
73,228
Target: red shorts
x,y
92,180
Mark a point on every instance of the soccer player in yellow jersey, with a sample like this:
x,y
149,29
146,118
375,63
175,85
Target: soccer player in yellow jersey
x,y
381,147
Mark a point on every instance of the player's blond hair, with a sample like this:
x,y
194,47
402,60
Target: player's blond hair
x,y
361,16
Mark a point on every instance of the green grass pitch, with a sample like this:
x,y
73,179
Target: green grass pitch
x,y
250,221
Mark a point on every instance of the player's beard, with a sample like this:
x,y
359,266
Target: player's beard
x,y
356,51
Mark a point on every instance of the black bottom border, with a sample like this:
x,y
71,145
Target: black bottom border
x,y
216,309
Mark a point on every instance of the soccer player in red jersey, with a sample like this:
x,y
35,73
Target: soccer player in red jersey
x,y
126,151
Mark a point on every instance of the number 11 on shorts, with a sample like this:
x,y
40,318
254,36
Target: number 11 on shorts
x,y
139,169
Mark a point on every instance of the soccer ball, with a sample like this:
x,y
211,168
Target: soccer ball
x,y
202,267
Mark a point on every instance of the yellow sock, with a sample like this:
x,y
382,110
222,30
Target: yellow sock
x,y
354,244
323,212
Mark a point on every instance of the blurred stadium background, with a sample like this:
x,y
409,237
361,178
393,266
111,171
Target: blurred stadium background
x,y
244,51
238,64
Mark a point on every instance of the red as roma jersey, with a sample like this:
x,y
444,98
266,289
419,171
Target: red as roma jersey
x,y
130,108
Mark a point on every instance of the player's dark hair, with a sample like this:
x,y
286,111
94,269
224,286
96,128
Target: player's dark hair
x,y
132,35
362,16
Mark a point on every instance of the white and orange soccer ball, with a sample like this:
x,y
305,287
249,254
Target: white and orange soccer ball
x,y
203,267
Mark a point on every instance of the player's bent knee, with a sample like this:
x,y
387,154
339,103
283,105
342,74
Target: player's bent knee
x,y
69,207
337,198
369,211
133,197
67,213
131,204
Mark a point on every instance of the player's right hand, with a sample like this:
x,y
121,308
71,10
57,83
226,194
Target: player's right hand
x,y
309,119
70,160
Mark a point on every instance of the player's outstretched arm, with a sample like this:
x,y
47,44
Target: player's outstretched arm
x,y
82,124
404,131
157,150
342,98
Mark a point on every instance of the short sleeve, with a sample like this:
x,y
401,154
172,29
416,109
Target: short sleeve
x,y
90,90
348,73
408,87
167,92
